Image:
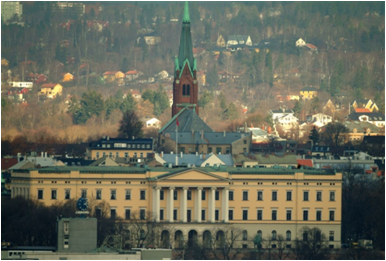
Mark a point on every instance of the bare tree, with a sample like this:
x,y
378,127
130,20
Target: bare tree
x,y
224,243
310,244
142,227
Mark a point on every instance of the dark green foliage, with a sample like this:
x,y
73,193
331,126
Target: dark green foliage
x,y
334,134
158,98
222,101
111,104
337,78
297,108
231,112
314,135
90,104
125,65
205,98
127,104
130,126
212,77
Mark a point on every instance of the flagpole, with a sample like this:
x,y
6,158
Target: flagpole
x,y
177,124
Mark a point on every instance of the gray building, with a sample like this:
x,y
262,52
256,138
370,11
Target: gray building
x,y
77,234
9,9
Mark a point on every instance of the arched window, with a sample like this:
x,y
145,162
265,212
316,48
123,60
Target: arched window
x,y
188,90
288,235
127,234
305,236
184,90
245,235
273,234
142,234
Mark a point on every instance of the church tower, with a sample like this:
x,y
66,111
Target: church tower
x,y
185,88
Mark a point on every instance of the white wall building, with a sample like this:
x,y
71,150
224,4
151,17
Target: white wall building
x,y
9,9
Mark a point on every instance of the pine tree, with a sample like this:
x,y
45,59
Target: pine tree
x,y
314,135
130,126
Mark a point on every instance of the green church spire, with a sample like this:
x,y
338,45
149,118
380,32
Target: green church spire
x,y
186,47
186,18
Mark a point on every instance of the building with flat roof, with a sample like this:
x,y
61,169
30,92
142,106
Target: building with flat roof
x,y
9,9
199,202
120,148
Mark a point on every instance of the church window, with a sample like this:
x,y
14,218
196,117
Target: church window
x,y
186,90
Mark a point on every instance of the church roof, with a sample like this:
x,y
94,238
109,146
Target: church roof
x,y
186,47
188,120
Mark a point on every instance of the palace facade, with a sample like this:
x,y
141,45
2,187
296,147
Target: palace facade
x,y
266,201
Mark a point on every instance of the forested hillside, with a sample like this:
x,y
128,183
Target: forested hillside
x,y
350,37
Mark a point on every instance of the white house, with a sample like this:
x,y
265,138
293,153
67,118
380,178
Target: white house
x,y
28,85
284,118
239,39
300,42
153,123
320,119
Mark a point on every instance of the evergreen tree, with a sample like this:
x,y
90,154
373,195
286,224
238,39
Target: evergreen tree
x,y
212,77
125,65
269,73
130,126
337,78
149,95
205,98
222,100
127,104
111,104
297,108
314,135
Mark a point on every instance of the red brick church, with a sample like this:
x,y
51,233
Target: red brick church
x,y
185,87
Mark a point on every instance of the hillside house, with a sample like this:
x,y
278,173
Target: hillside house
x,y
68,77
284,118
364,103
132,75
153,123
220,41
28,85
201,78
365,115
239,40
319,119
4,62
17,93
51,90
152,38
312,47
114,76
300,43
307,93
135,94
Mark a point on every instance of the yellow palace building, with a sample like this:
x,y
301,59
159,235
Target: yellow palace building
x,y
266,201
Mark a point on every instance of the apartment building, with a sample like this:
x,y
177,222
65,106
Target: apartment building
x,y
193,201
119,148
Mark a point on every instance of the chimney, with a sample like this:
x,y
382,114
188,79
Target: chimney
x,y
108,138
45,154
225,134
196,153
132,137
202,134
171,152
269,130
181,154
42,154
162,154
203,156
